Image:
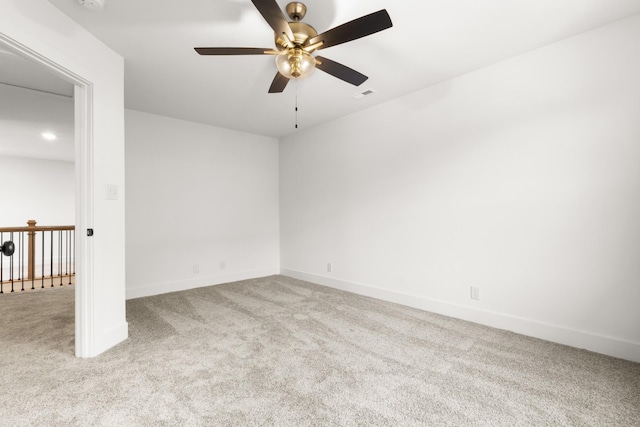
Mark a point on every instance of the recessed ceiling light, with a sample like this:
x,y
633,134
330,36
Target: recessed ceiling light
x,y
49,136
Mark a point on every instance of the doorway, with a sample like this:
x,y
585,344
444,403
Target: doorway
x,y
22,69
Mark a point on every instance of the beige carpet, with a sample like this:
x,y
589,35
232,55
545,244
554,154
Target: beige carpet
x,y
279,351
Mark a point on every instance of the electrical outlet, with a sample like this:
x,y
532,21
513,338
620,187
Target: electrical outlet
x,y
475,292
223,265
196,268
329,267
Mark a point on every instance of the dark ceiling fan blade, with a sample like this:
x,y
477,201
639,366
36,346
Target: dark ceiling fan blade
x,y
231,50
352,30
278,84
272,13
340,71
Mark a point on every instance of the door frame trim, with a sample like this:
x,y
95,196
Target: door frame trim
x,y
83,147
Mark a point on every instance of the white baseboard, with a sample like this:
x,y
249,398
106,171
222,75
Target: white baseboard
x,y
575,338
183,285
109,339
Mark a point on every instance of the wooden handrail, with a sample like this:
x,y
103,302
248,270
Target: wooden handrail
x,y
38,228
31,230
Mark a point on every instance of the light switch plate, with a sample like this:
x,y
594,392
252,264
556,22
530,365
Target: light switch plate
x,y
111,192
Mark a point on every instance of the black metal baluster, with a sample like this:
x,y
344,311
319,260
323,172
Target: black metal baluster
x,y
70,253
19,269
71,258
66,264
11,268
65,254
73,236
33,267
60,255
51,259
22,260
42,262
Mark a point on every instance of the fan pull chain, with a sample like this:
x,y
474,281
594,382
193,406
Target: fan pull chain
x,y
296,83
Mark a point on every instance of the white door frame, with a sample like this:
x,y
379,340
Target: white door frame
x,y
83,108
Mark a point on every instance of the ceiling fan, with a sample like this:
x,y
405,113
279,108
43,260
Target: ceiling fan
x,y
296,42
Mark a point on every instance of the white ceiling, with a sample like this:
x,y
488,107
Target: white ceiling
x,y
431,41
33,101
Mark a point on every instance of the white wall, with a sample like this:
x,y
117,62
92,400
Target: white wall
x,y
522,178
198,195
40,189
38,28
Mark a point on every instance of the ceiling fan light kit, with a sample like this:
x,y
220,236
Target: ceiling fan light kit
x,y
295,64
296,42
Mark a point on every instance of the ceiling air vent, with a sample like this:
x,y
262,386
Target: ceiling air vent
x,y
364,93
92,4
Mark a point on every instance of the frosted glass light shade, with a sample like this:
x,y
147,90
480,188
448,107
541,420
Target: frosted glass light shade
x,y
295,64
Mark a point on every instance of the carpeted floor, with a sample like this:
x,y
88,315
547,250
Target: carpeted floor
x,y
279,351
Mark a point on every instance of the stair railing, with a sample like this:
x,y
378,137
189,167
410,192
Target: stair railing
x,y
40,255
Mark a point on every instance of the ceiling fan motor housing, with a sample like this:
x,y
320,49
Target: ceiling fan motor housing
x,y
296,11
92,4
301,33
296,42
